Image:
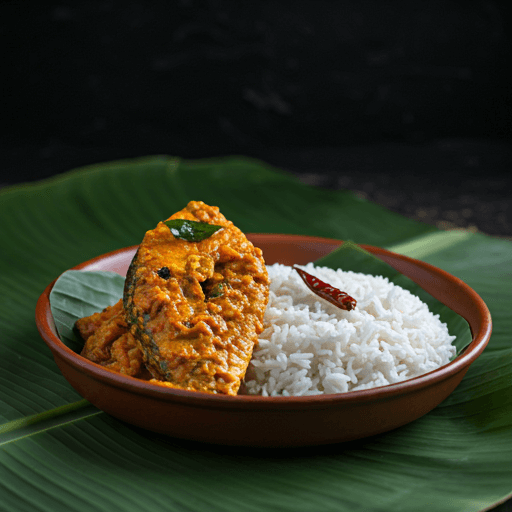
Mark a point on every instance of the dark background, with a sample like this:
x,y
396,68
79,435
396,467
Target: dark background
x,y
405,102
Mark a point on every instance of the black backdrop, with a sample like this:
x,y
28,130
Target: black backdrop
x,y
328,89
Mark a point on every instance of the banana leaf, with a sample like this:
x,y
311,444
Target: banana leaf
x,y
60,453
78,294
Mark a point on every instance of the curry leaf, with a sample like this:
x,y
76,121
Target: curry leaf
x,y
191,230
216,291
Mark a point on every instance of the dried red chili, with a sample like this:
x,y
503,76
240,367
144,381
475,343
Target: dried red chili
x,y
340,299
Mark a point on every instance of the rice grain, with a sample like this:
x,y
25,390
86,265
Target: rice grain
x,y
311,347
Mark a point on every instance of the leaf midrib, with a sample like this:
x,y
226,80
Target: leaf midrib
x,y
61,416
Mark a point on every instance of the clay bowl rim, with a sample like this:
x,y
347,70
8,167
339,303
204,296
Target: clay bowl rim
x,y
47,330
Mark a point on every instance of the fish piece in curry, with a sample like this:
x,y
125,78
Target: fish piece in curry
x,y
196,307
109,343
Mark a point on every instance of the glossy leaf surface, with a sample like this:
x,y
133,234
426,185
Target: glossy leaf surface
x,y
191,230
58,454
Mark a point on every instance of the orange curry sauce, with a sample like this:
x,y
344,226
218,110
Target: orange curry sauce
x,y
193,309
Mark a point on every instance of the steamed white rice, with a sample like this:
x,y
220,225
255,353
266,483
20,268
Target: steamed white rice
x,y
311,347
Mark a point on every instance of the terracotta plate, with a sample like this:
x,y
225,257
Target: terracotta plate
x,y
275,421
